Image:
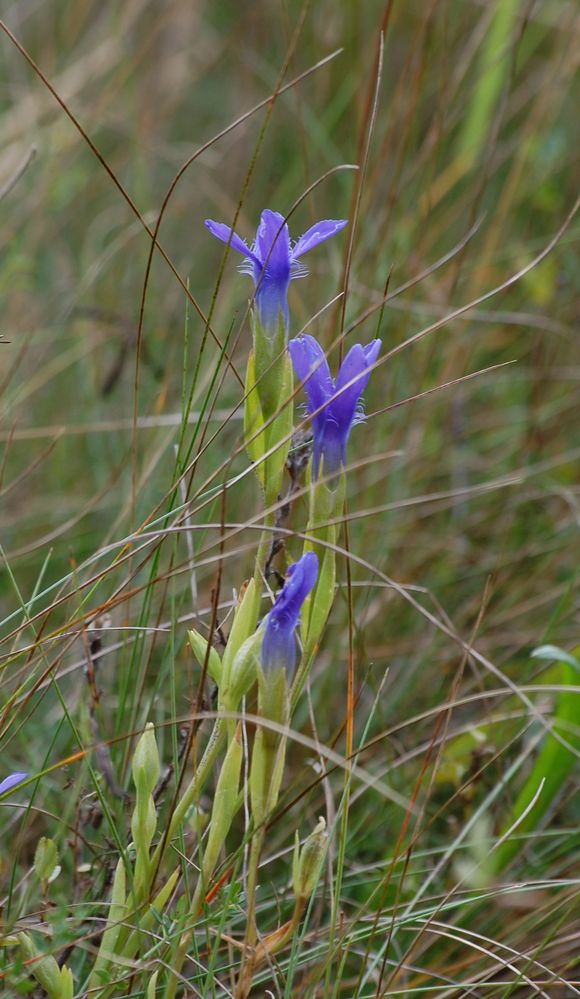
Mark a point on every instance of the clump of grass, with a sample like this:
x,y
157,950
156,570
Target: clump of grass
x,y
440,752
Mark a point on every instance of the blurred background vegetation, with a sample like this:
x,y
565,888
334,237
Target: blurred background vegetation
x,y
467,497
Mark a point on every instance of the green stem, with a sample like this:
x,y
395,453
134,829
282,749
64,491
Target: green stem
x,y
180,954
188,797
225,806
176,966
192,790
248,961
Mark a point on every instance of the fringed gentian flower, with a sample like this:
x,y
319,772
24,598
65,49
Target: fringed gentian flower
x,y
279,642
11,781
335,405
273,262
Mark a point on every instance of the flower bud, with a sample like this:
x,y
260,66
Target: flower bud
x,y
309,863
279,644
144,823
45,858
146,767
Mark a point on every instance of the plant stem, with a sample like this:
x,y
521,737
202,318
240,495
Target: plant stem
x,y
193,789
249,958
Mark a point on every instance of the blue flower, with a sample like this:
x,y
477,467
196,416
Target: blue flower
x,y
11,781
279,642
334,405
273,262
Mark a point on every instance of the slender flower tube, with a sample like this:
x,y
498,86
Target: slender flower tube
x,y
11,781
279,642
273,262
335,405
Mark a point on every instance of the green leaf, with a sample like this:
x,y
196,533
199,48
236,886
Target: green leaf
x,y
225,803
279,434
117,913
199,646
258,778
243,672
45,969
152,986
553,766
320,602
66,983
244,625
555,654
254,436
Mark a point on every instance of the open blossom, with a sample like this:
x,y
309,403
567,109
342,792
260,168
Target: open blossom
x,y
334,405
273,262
279,642
11,781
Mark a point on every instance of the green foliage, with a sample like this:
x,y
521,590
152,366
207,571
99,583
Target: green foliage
x,y
199,646
442,755
556,761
